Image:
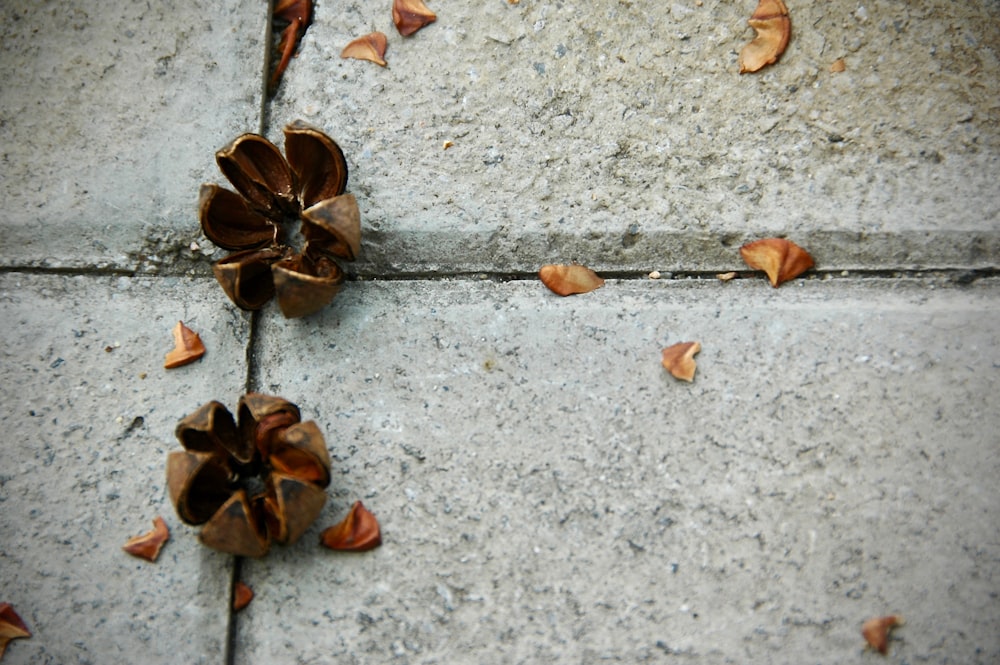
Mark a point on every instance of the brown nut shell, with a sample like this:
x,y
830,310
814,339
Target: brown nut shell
x,y
304,285
317,162
228,221
411,15
148,545
358,532
779,258
291,506
246,276
188,347
567,280
369,47
242,595
12,627
234,529
678,359
260,173
333,226
774,29
212,429
876,631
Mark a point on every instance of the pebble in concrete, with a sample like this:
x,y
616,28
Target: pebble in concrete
x,y
89,414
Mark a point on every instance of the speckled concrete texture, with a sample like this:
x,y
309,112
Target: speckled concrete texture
x,y
107,117
619,133
90,412
549,494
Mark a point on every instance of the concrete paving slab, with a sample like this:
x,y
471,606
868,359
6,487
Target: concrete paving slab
x,y
89,413
547,493
619,134
110,116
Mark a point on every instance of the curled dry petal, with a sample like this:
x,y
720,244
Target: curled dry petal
x,y
259,172
11,626
367,47
359,532
188,347
242,595
298,14
567,280
334,226
246,276
876,631
317,162
148,545
774,28
678,359
304,285
781,259
228,221
411,15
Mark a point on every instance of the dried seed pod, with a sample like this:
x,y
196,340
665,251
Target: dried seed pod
x,y
367,47
242,595
306,185
253,481
781,259
12,627
411,15
148,545
774,28
678,359
567,280
187,347
876,631
358,532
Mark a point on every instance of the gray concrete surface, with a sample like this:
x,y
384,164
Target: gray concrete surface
x,y
547,492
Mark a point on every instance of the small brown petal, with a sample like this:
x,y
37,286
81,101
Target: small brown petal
x,y
359,532
567,280
773,27
148,545
411,15
367,47
725,276
678,359
12,627
876,631
187,347
242,595
781,259
838,66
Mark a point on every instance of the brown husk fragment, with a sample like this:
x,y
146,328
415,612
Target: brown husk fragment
x,y
411,15
358,532
781,259
12,627
148,545
242,595
188,347
876,631
298,15
774,28
567,280
370,47
252,480
838,66
678,359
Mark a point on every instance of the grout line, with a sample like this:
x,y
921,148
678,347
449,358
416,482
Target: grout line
x,y
229,656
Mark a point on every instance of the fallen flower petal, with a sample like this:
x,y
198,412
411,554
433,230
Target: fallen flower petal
x,y
774,28
781,259
242,595
838,66
359,532
678,359
411,15
367,47
298,15
567,280
876,631
11,627
188,347
148,545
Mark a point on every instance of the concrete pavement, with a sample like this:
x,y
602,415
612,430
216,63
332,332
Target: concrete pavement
x,y
547,493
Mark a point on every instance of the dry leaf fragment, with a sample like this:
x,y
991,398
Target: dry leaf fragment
x,y
242,595
297,14
411,15
781,259
11,627
187,347
876,631
367,47
567,280
773,27
838,66
678,359
359,532
148,545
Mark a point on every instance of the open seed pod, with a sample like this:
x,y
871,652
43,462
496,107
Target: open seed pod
x,y
273,194
251,481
